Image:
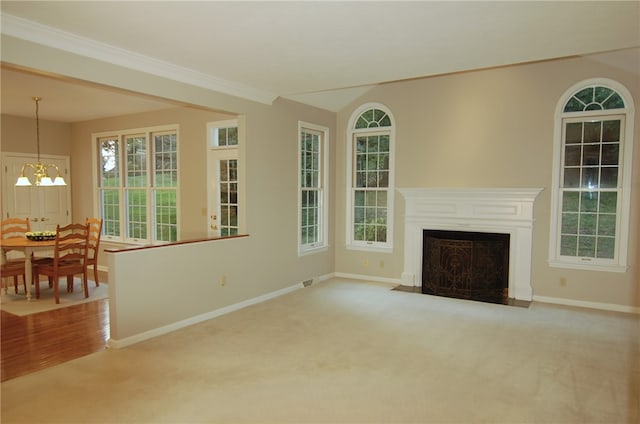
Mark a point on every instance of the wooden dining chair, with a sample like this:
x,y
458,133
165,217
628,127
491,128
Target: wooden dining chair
x,y
95,231
14,267
69,258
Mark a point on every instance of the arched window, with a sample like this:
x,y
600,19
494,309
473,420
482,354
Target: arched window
x,y
592,177
370,177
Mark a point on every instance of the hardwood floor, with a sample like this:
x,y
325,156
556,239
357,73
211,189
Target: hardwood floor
x,y
34,342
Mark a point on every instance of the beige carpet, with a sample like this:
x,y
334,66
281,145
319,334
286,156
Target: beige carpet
x,y
351,352
17,304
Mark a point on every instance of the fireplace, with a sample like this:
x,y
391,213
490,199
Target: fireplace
x,y
499,211
466,265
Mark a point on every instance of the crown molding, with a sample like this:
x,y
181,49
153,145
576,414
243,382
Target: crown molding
x,y
51,37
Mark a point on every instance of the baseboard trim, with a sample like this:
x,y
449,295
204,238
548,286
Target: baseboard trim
x,y
586,304
128,341
386,280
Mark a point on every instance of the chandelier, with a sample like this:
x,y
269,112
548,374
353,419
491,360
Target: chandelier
x,y
40,170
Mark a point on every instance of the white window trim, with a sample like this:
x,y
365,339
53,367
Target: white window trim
x,y
96,171
622,236
352,244
323,245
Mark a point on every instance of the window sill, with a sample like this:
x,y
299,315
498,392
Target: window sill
x,y
370,248
588,266
312,250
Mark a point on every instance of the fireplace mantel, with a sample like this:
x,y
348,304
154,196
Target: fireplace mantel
x,y
493,210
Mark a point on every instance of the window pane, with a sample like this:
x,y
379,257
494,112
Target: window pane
x,y
585,95
110,206
382,199
573,133
587,246
601,94
606,247
568,245
573,105
136,161
611,131
232,139
372,179
608,202
359,214
591,155
614,102
165,160
607,225
110,162
587,223
589,178
570,201
165,215
609,177
361,145
610,154
572,155
589,201
570,223
137,214
372,144
571,178
592,132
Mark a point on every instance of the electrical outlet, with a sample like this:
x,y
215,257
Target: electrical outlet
x,y
223,280
381,263
563,281
365,263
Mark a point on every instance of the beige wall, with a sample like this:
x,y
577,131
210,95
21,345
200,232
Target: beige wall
x,y
491,128
18,135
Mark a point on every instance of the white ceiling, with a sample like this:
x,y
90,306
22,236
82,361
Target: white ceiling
x,y
320,53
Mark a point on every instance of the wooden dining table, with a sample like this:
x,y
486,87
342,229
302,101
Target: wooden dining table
x,y
28,247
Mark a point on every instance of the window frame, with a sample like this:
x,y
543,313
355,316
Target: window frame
x,y
623,189
352,134
150,187
322,244
224,152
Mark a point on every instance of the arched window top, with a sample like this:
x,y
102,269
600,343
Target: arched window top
x,y
596,97
373,118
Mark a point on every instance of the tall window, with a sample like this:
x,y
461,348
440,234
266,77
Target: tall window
x,y
312,187
370,178
592,177
137,185
224,200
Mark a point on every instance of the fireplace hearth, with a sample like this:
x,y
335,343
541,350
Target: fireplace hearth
x,y
466,265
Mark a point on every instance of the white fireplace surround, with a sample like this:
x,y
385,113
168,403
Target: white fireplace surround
x,y
488,210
